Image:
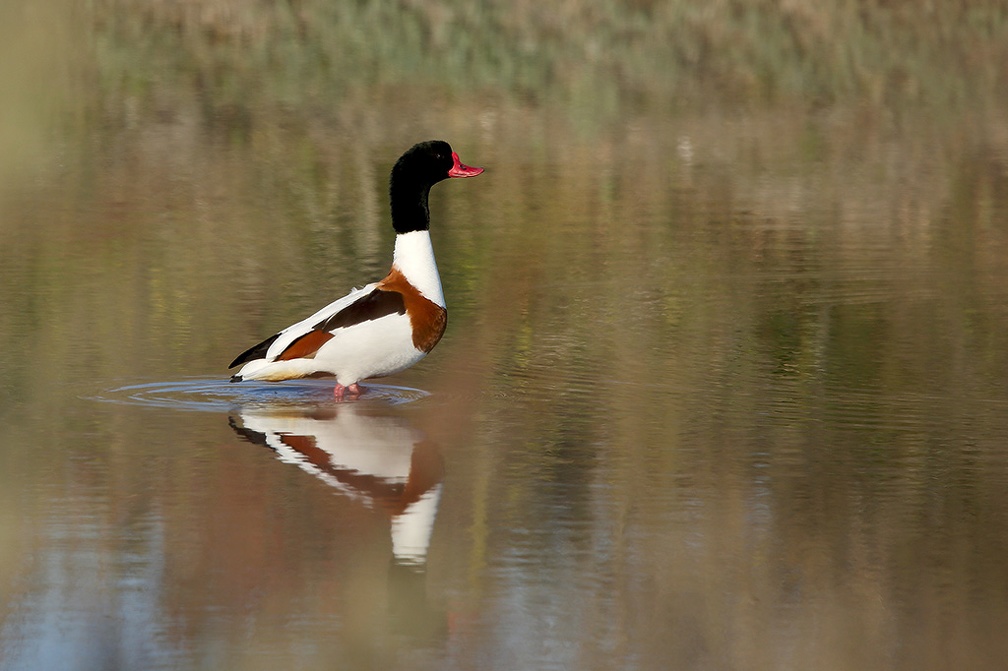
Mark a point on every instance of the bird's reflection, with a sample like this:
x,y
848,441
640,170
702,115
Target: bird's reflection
x,y
370,456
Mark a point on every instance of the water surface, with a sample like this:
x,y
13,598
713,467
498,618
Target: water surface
x,y
721,389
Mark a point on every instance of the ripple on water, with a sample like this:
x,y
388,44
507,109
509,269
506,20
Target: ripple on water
x,y
219,395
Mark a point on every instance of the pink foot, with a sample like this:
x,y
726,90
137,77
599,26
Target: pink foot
x,y
353,390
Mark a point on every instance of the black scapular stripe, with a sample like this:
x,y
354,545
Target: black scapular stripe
x,y
377,304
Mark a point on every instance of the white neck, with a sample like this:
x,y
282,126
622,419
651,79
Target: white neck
x,y
414,257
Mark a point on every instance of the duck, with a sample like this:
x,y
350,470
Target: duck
x,y
383,327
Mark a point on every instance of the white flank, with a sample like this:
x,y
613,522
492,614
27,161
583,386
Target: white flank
x,y
414,257
374,348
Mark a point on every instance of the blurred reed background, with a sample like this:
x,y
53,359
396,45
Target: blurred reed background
x,y
595,61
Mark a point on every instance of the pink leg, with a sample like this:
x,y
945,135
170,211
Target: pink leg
x,y
354,390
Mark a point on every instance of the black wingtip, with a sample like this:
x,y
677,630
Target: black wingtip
x,y
255,352
237,378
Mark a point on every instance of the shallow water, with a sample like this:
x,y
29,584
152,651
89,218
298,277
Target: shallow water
x,y
719,390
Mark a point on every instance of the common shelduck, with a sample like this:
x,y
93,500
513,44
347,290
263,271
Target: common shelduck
x,y
386,326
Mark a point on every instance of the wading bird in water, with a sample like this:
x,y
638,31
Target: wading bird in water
x,y
386,326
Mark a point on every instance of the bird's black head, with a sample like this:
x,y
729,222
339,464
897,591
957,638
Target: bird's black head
x,y
421,167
